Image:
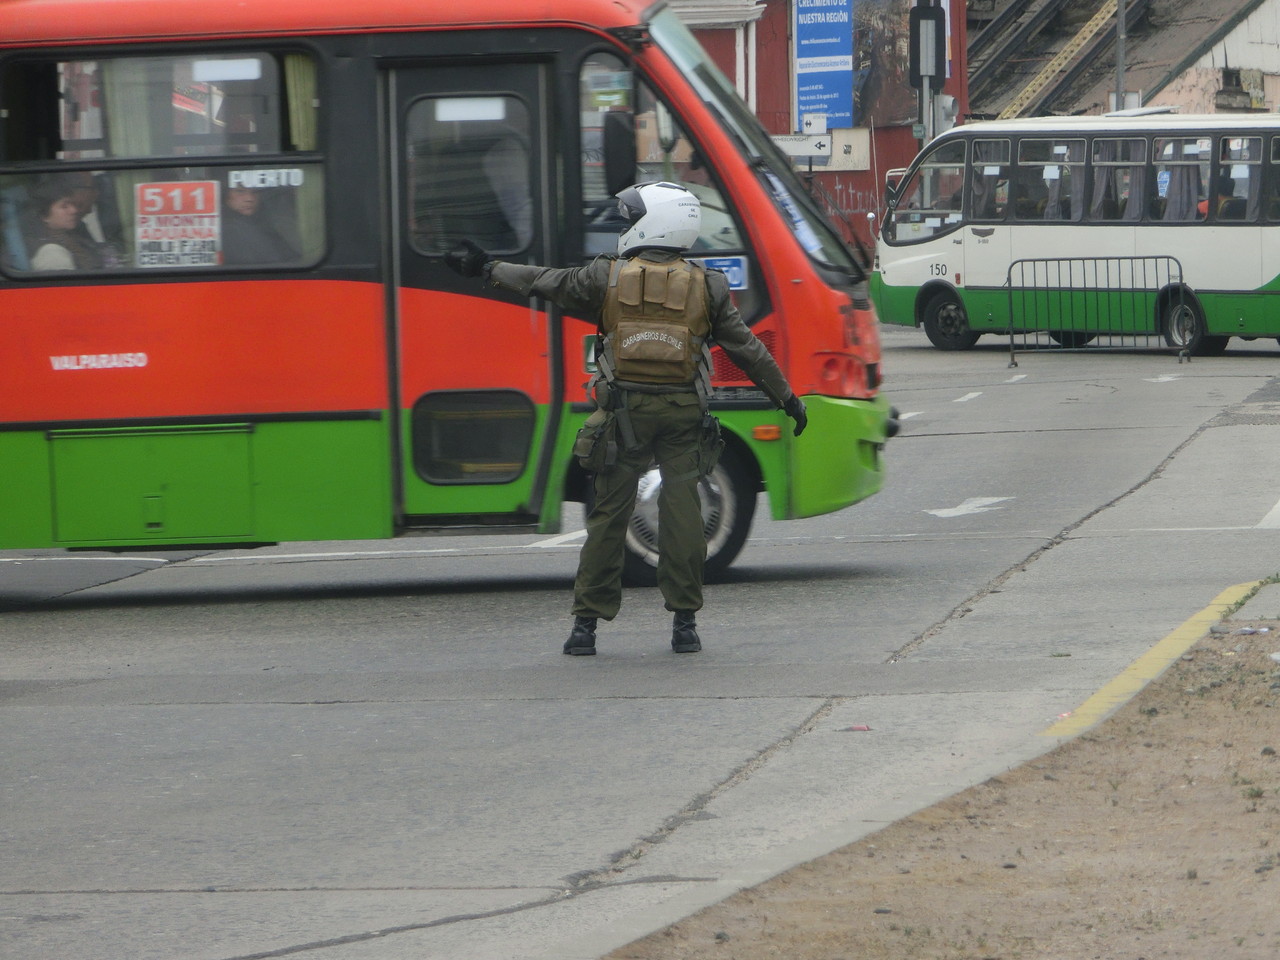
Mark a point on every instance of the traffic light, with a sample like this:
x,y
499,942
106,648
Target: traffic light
x,y
928,46
945,110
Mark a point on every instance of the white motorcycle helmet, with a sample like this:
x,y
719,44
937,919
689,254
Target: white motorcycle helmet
x,y
662,215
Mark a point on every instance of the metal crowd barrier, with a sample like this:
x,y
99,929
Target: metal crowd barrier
x,y
1077,303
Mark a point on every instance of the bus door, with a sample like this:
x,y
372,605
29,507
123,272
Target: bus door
x,y
473,364
987,238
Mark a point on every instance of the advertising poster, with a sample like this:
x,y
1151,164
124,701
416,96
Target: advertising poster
x,y
177,224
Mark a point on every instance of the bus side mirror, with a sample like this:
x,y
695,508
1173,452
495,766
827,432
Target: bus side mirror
x,y
871,222
892,183
619,152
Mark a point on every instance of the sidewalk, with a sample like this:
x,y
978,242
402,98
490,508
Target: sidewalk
x,y
1151,832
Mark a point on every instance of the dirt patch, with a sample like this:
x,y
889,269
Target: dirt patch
x,y
1154,835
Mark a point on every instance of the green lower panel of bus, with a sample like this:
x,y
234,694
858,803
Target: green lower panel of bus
x,y
896,305
220,483
1251,313
835,463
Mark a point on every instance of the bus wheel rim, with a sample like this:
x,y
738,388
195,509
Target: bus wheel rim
x,y
718,514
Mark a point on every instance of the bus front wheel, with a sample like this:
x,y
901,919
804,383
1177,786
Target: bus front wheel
x,y
1184,329
728,505
946,324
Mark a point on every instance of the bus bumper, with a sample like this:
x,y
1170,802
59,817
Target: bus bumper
x,y
837,462
895,305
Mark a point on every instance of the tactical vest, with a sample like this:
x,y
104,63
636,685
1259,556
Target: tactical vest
x,y
656,322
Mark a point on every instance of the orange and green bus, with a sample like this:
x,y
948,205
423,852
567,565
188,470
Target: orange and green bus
x,y
225,317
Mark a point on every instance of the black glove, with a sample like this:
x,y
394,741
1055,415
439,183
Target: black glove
x,y
794,408
467,260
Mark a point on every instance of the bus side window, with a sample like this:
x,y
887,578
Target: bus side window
x,y
629,136
1182,174
1030,194
931,201
1119,176
470,174
989,187
65,116
1239,179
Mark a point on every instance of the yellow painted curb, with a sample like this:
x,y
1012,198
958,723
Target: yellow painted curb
x,y
1150,665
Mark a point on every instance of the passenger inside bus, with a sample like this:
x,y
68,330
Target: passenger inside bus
x,y
250,233
57,238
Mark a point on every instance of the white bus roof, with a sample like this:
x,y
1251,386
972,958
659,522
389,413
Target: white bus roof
x,y
1153,122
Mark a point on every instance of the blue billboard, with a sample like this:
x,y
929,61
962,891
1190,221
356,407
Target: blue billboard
x,y
824,60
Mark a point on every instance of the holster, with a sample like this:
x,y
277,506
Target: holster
x,y
596,445
710,444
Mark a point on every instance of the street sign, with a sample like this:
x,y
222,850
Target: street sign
x,y
802,146
813,123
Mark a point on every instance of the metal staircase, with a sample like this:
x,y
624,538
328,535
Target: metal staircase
x,y
1041,80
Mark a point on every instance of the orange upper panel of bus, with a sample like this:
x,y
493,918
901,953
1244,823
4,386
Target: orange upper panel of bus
x,y
35,22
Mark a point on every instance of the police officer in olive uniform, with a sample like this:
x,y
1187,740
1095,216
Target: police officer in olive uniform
x,y
657,313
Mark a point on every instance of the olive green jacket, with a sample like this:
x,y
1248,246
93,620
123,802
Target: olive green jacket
x,y
582,291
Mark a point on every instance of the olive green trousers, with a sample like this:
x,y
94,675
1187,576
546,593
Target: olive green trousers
x,y
667,431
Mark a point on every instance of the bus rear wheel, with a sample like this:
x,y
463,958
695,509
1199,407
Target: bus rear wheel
x,y
946,324
1184,329
728,505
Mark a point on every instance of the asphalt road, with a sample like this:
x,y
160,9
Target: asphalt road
x,y
376,750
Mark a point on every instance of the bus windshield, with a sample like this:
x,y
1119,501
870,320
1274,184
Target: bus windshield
x,y
807,221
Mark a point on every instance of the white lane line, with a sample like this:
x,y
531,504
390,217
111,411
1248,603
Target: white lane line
x,y
972,505
1272,520
908,416
551,543
1016,377
967,397
83,559
1166,378
328,555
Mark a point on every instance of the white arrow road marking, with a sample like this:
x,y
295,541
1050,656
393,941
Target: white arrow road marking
x,y
560,540
972,505
1166,378
967,397
1272,520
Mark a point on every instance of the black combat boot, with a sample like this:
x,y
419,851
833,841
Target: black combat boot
x,y
684,632
582,639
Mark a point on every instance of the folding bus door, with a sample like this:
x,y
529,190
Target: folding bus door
x,y
474,364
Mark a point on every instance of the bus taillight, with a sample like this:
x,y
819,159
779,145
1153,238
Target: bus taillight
x,y
841,375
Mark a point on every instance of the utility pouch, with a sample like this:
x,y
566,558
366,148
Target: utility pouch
x,y
710,444
603,393
596,445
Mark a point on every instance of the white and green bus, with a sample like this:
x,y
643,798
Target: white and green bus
x,y
1091,197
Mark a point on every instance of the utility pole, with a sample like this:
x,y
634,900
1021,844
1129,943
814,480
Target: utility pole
x,y
1121,17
